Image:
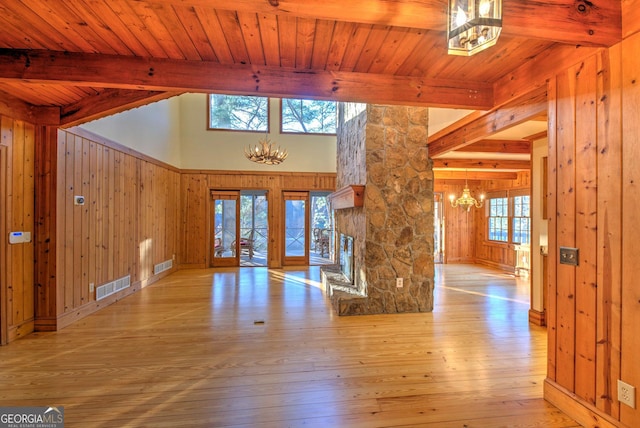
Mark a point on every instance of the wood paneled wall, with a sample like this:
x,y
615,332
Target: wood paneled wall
x,y
594,150
459,226
17,148
128,223
491,253
466,233
196,206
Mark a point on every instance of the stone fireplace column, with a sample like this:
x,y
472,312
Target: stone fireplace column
x,y
385,149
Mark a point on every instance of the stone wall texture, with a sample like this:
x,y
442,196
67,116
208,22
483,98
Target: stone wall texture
x,y
385,148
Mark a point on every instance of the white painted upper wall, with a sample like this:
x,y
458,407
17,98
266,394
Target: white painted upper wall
x,y
175,131
153,129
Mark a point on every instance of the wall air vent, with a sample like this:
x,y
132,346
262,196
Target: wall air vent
x,y
161,267
112,287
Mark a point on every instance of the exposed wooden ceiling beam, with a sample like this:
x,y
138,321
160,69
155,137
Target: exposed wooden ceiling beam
x,y
575,22
499,146
18,109
108,102
534,74
508,164
200,76
459,135
440,174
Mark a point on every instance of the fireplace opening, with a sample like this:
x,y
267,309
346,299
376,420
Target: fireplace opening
x,y
346,257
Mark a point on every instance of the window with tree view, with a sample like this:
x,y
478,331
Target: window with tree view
x,y
308,116
521,220
238,113
499,219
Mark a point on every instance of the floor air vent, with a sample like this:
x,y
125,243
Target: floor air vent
x,y
112,287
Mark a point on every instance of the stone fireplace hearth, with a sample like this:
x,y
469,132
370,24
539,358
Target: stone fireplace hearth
x,y
384,148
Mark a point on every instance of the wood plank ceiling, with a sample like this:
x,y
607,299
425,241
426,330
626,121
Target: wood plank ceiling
x,y
74,60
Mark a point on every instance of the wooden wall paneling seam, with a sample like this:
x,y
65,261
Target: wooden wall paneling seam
x,y
4,335
52,239
136,202
87,250
17,222
586,196
552,171
111,176
61,208
630,340
78,219
99,216
566,227
29,222
68,219
90,207
609,237
8,140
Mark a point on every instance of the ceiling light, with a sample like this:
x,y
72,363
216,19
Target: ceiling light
x,y
473,25
265,152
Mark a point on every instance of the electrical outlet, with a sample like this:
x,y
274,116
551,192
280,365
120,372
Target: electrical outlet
x,y
399,282
626,394
92,287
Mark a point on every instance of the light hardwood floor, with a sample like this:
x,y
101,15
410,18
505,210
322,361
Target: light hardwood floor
x,y
253,347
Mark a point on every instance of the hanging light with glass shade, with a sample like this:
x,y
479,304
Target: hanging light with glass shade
x,y
473,25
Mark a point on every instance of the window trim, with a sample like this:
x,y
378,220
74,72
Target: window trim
x,y
209,128
514,217
508,217
320,134
510,195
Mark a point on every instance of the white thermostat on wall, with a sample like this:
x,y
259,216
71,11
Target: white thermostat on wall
x,y
19,237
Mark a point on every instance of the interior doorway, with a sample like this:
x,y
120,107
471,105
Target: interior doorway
x,y
438,229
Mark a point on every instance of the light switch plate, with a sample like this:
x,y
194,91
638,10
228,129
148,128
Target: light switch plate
x,y
569,256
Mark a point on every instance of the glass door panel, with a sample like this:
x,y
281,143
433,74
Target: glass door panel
x,y
321,236
254,228
296,221
226,210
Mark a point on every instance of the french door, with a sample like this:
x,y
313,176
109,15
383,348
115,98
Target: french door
x,y
296,228
225,227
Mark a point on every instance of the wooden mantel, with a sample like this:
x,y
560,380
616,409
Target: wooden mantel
x,y
347,197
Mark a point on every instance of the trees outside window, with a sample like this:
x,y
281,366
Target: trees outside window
x,y
521,220
511,211
499,219
238,113
308,116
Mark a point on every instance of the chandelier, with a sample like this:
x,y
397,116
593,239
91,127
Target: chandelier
x,y
466,201
266,152
473,25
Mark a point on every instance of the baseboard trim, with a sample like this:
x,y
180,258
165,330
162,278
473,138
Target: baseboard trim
x,y
537,317
574,407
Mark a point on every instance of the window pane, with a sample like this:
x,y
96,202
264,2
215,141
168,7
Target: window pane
x,y
308,116
521,221
238,113
498,219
